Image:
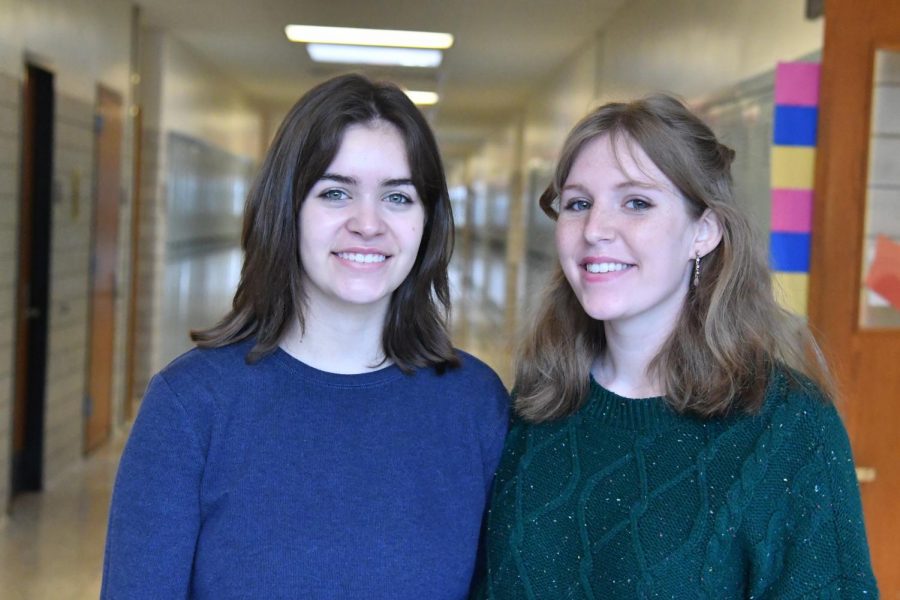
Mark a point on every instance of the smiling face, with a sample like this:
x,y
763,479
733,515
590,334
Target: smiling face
x,y
361,223
625,238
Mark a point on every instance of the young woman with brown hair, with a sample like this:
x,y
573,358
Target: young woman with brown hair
x,y
324,440
675,435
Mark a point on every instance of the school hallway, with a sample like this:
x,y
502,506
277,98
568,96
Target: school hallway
x,y
131,132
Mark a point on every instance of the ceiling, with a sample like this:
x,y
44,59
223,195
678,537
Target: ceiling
x,y
503,49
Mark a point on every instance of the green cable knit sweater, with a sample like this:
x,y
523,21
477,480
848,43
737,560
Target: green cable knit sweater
x,y
626,499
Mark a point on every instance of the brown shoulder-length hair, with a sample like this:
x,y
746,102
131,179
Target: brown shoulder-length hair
x,y
271,289
731,331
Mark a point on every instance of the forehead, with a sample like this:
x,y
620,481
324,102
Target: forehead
x,y
375,145
618,156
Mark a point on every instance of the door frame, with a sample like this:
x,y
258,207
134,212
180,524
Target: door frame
x,y
33,281
864,360
108,136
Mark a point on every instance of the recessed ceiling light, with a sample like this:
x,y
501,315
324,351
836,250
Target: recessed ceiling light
x,y
422,98
368,37
374,55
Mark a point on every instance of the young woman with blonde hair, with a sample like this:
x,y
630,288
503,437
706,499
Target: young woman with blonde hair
x,y
675,435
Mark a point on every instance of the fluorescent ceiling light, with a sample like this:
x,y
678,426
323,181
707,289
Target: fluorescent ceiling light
x,y
368,37
374,55
422,98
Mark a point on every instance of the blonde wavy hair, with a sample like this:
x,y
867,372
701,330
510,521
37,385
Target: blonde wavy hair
x,y
731,332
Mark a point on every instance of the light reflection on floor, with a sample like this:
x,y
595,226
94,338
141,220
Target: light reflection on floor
x,y
51,545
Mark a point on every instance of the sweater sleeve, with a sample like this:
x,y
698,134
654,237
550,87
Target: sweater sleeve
x,y
816,547
155,513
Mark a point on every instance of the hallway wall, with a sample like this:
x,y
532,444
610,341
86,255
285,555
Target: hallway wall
x,y
183,96
84,43
9,169
696,47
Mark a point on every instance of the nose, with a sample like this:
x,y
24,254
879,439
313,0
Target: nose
x,y
599,225
366,220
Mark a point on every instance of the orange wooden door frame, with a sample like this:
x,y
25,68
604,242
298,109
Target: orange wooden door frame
x,y
866,361
104,259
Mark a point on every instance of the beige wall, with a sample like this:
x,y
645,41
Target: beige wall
x,y
696,47
9,169
181,93
203,104
84,43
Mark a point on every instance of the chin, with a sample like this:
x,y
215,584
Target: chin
x,y
601,310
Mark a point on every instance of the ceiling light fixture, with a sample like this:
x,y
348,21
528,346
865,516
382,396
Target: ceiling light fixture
x,y
422,98
368,37
374,55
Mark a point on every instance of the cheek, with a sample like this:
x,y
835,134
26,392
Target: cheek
x,y
307,221
567,234
417,229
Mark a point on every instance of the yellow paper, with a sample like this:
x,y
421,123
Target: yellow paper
x,y
791,291
793,167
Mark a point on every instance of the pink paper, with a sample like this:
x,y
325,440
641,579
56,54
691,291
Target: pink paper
x,y
884,275
797,84
792,210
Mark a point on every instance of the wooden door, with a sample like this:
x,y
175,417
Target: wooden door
x,y
104,255
866,358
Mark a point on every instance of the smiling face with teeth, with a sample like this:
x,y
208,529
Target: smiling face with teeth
x,y
361,223
626,237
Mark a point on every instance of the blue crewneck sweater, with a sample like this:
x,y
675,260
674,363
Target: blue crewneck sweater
x,y
277,480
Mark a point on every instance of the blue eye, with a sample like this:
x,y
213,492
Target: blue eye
x,y
333,194
577,205
398,198
637,204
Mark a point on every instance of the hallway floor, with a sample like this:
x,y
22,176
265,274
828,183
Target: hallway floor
x,y
51,544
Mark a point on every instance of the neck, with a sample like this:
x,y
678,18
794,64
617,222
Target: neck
x,y
622,367
343,340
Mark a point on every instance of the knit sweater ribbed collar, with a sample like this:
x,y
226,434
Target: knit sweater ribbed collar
x,y
631,414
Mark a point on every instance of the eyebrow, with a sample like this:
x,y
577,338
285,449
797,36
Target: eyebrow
x,y
646,185
400,181
631,183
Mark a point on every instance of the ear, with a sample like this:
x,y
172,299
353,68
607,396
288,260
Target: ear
x,y
709,233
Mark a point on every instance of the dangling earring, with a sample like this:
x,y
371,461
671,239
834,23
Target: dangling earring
x,y
697,270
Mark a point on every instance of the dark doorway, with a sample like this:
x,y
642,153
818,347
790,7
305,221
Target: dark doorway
x,y
32,301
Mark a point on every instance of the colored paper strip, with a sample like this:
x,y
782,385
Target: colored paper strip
x,y
795,125
792,291
797,84
884,274
792,210
789,252
793,167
